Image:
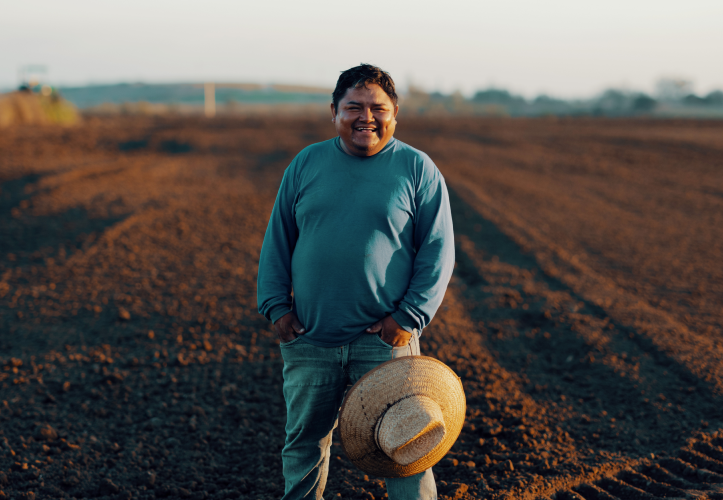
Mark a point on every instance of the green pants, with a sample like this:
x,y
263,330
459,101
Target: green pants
x,y
315,380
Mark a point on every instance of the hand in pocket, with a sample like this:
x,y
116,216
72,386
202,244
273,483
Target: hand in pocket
x,y
390,332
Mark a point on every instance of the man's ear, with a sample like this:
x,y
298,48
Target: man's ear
x,y
333,113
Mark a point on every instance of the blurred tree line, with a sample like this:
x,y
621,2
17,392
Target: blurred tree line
x,y
673,97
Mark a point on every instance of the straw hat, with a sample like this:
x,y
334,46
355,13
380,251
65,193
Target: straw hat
x,y
402,417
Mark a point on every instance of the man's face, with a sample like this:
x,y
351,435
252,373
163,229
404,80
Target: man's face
x,y
365,120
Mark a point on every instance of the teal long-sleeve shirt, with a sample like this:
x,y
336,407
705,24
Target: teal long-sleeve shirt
x,y
357,239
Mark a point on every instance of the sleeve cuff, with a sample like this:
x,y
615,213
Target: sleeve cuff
x,y
405,321
278,311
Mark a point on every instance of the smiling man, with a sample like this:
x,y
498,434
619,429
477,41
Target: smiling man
x,y
361,231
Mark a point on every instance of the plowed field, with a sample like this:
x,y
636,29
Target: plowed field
x,y
584,316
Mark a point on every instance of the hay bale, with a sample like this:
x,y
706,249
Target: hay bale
x,y
20,107
23,107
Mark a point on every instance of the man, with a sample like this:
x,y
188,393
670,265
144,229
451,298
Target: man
x,y
362,232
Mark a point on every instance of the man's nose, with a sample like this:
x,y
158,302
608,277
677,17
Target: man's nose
x,y
367,115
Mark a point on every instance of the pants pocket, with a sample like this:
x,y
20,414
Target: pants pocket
x,y
411,349
290,342
376,335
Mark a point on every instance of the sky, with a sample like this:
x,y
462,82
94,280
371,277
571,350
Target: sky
x,y
563,48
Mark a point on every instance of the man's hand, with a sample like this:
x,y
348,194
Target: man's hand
x,y
390,332
288,327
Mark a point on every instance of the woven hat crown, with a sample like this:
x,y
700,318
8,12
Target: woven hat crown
x,y
402,417
410,429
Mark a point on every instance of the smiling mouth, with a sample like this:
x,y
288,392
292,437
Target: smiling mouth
x,y
365,129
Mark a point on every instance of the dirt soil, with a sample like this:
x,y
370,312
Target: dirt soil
x,y
584,316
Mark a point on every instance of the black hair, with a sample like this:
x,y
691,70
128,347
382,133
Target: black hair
x,y
361,76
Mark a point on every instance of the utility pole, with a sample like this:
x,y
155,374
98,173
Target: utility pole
x,y
209,103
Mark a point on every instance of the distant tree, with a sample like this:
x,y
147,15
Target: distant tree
x,y
546,99
612,102
544,105
643,103
497,96
693,100
673,89
416,92
715,98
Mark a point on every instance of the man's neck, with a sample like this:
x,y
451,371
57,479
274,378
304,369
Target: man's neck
x,y
346,150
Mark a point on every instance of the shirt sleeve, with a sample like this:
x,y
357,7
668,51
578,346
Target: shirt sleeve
x,y
274,277
434,261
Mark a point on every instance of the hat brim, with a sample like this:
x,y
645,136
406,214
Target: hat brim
x,y
379,389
